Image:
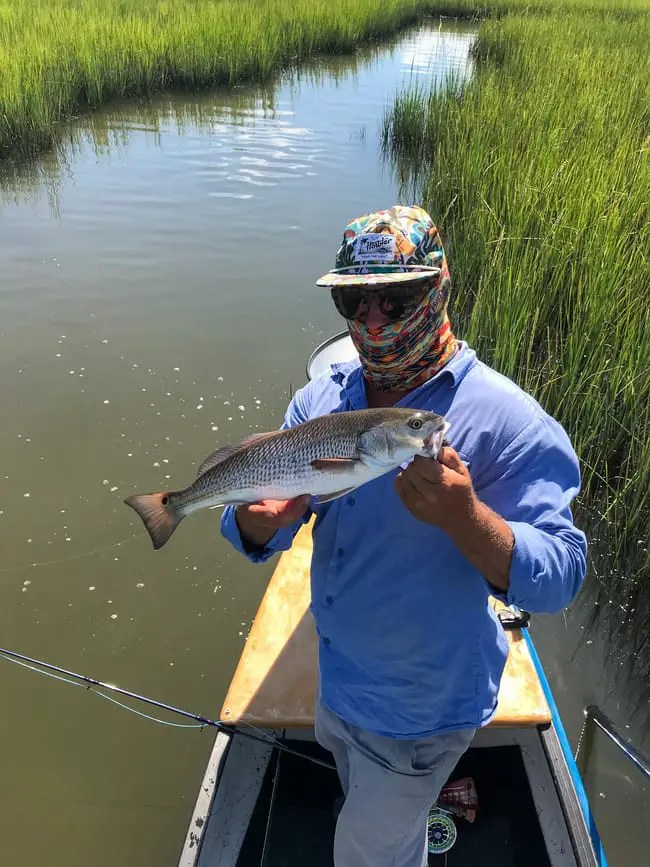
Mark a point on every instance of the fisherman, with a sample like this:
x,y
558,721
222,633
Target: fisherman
x,y
410,651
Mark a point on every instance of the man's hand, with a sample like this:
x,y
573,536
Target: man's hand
x,y
441,493
438,492
258,522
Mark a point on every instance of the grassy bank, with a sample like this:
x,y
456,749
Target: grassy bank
x,y
539,171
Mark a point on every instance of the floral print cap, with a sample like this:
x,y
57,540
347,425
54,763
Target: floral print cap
x,y
398,245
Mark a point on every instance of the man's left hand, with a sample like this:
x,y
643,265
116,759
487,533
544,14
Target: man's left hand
x,y
438,492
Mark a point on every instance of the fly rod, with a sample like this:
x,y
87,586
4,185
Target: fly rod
x,y
205,721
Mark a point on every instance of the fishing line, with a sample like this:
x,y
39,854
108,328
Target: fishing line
x,y
71,557
146,715
64,675
101,695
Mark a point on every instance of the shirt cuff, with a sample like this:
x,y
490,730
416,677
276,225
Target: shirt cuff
x,y
539,581
523,567
281,540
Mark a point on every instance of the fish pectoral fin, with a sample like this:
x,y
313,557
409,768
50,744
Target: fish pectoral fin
x,y
325,498
335,465
216,458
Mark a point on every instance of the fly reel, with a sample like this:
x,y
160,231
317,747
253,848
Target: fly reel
x,y
441,831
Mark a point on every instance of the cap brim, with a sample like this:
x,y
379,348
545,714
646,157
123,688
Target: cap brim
x,y
339,278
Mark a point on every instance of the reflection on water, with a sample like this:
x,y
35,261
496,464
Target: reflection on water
x,y
437,58
433,55
618,610
589,662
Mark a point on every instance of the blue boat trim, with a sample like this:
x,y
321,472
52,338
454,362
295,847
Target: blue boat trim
x,y
596,842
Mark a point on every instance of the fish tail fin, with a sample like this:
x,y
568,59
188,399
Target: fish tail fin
x,y
158,515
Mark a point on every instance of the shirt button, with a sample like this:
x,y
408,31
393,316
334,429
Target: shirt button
x,y
351,501
329,600
326,642
340,551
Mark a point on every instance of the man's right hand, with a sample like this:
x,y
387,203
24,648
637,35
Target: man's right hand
x,y
258,522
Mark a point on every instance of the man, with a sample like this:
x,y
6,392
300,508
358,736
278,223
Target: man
x,y
410,651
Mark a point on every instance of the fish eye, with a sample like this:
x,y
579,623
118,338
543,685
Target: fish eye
x,y
415,423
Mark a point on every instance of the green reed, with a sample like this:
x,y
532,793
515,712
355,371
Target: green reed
x,y
539,172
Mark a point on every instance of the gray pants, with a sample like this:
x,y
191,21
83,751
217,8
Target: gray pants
x,y
389,786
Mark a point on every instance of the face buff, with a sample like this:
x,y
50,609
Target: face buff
x,y
401,355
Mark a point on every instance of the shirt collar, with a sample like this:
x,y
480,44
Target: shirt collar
x,y
459,366
348,374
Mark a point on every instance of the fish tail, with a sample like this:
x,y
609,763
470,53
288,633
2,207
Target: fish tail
x,y
158,515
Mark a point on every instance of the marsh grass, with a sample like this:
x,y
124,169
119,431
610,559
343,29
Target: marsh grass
x,y
539,171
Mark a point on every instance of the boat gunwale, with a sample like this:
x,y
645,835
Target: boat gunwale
x,y
557,727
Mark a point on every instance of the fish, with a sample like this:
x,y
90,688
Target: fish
x,y
325,457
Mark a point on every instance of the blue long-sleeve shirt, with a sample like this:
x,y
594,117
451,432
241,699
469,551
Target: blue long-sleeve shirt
x,y
408,644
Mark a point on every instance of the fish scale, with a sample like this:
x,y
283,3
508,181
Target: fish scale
x,y
282,460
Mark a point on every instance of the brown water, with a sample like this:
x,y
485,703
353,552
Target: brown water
x,y
157,299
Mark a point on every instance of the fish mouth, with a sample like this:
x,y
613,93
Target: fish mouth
x,y
430,443
434,441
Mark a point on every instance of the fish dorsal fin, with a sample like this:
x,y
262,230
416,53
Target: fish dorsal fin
x,y
256,437
216,458
325,498
335,465
228,450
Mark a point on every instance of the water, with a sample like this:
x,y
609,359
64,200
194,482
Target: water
x,y
157,300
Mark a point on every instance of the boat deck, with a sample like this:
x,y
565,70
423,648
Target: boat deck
x,y
299,829
275,681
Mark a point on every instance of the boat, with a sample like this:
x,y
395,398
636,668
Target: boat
x,y
269,790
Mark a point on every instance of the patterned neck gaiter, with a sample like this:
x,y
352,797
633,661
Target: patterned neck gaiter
x,y
400,356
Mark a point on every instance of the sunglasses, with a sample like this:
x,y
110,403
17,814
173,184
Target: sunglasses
x,y
394,301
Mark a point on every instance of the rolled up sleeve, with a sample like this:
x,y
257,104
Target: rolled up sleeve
x,y
541,477
296,413
280,541
548,567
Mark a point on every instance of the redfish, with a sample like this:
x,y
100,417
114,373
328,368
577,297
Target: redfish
x,y
325,457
